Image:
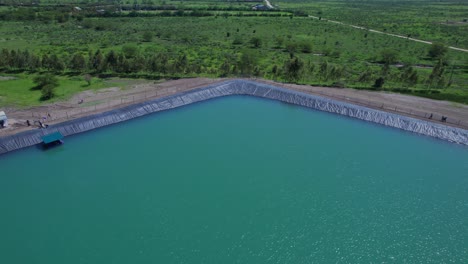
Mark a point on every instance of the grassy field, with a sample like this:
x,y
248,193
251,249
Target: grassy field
x,y
21,92
177,39
444,21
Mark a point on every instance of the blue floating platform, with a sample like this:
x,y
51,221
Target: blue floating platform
x,y
52,138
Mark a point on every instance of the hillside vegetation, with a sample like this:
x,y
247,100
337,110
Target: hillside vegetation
x,y
294,42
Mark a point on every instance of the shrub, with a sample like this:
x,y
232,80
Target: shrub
x,y
256,42
47,84
147,36
379,82
437,50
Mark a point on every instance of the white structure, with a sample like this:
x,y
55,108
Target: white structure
x,y
3,119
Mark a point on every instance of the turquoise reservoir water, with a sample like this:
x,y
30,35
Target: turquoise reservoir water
x,y
237,180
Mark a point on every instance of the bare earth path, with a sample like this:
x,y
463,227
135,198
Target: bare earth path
x,y
385,33
89,103
267,3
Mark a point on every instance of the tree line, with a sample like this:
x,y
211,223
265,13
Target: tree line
x,y
63,13
129,60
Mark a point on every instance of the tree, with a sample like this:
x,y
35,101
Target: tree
x,y
44,80
88,79
389,56
292,68
62,18
227,67
437,50
385,69
130,51
247,62
97,61
237,41
291,47
34,62
274,70
366,75
181,63
147,36
56,64
111,60
279,41
122,64
78,62
136,64
310,67
437,74
46,62
409,76
256,42
47,84
336,72
158,63
20,59
305,47
5,58
47,92
413,78
323,70
379,82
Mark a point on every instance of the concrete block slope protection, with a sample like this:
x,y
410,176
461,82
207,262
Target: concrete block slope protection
x,y
236,87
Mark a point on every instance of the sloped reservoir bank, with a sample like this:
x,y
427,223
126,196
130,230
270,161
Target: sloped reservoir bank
x,y
237,180
236,87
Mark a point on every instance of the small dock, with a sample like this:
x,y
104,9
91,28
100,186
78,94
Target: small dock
x,y
52,139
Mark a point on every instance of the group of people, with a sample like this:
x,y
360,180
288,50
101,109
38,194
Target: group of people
x,y
442,119
40,123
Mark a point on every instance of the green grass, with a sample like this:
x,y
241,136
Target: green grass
x,y
425,19
209,43
20,92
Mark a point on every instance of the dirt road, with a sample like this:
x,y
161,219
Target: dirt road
x,y
385,33
268,4
89,102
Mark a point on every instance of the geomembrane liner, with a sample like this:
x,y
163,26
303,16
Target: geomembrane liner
x,y
235,87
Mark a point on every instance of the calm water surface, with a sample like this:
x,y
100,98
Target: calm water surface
x,y
237,180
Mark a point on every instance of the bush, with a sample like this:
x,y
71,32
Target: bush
x,y
237,41
388,56
305,47
46,83
48,92
437,50
379,82
43,80
291,47
130,51
147,36
256,42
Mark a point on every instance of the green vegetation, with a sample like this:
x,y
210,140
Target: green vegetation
x,y
22,92
437,51
444,21
47,84
176,39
